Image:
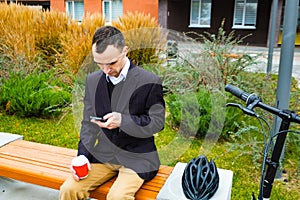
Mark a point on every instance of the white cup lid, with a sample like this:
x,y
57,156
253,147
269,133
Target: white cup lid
x,y
79,160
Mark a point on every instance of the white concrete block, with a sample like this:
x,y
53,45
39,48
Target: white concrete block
x,y
172,189
8,137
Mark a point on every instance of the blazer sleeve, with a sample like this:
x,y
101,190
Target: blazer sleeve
x,y
89,130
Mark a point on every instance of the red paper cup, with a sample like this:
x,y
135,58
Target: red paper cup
x,y
80,165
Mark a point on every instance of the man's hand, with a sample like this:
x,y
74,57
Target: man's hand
x,y
73,172
113,120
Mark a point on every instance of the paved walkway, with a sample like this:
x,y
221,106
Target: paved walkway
x,y
17,190
263,59
253,50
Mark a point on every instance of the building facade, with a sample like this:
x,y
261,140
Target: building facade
x,y
207,15
251,18
111,9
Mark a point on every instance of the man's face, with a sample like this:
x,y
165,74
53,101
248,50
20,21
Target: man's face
x,y
111,61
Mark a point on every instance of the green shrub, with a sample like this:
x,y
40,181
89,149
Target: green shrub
x,y
38,94
220,50
203,69
196,114
10,64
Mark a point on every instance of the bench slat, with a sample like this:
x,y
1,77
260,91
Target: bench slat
x,y
48,166
42,158
43,147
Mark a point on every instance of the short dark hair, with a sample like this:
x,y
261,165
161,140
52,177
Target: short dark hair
x,y
108,35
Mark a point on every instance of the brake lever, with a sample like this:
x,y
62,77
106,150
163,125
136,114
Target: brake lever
x,y
245,110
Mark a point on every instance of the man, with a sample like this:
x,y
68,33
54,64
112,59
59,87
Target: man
x,y
130,101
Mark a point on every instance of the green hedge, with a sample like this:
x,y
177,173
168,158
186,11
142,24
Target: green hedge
x,y
38,94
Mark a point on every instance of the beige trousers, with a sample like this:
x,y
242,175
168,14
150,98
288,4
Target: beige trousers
x,y
124,188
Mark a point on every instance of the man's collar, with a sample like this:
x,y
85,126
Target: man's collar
x,y
122,76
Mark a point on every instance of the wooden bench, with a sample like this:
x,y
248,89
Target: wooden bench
x,y
48,166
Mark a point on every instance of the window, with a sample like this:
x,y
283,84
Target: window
x,y
245,14
75,9
200,13
112,9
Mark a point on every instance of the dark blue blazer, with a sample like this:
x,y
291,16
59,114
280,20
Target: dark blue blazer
x,y
140,101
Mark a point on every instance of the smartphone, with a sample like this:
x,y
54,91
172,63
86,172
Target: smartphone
x,y
97,118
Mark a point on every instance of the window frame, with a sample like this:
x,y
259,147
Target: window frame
x,y
111,14
199,25
73,9
243,26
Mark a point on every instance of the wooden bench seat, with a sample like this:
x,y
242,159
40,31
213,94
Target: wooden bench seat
x,y
48,166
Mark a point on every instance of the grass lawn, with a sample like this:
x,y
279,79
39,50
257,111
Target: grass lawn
x,y
242,156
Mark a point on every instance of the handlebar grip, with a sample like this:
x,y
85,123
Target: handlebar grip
x,y
293,117
296,118
236,92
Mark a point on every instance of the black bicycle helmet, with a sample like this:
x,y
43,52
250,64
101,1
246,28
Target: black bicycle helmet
x,y
200,179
